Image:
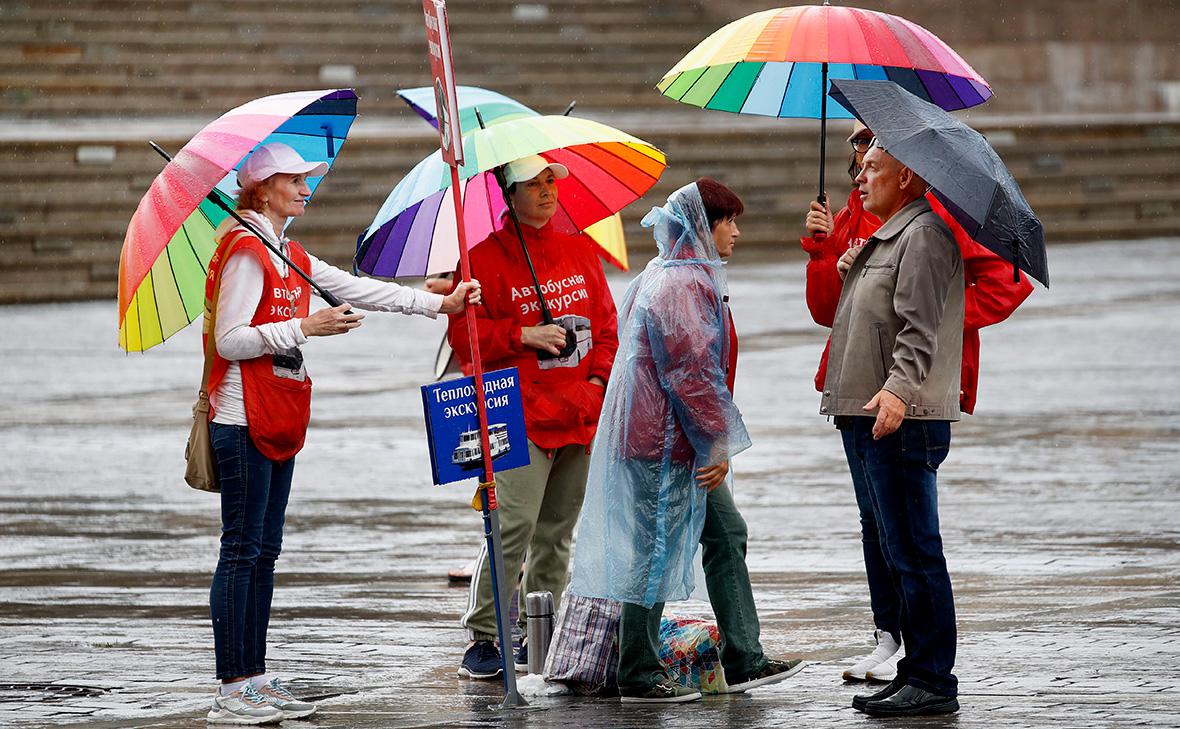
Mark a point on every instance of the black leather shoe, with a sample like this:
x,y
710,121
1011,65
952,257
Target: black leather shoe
x,y
859,701
912,701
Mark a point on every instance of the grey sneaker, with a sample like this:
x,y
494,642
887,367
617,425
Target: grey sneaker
x,y
664,692
244,706
277,695
774,672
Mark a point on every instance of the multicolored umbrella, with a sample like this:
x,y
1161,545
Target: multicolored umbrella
x,y
778,63
413,233
495,108
169,241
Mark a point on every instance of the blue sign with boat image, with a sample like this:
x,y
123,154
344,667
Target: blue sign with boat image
x,y
452,426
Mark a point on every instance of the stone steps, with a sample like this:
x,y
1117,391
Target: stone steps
x,y
62,223
82,58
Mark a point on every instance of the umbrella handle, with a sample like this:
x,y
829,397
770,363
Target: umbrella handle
x,y
327,296
571,340
823,140
822,199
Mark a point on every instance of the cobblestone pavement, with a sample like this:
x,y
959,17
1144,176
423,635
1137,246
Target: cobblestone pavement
x,y
1059,511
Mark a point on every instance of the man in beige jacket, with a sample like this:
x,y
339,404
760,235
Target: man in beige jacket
x,y
893,387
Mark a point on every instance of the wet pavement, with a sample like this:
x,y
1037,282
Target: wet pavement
x,y
1060,512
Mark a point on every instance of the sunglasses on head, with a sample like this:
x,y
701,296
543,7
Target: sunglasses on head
x,y
861,144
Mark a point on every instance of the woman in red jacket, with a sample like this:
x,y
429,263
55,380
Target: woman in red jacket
x,y
990,297
539,503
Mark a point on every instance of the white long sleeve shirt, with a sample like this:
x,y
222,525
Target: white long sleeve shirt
x,y
241,291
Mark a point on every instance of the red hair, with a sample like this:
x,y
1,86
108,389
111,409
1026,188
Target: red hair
x,y
251,196
720,202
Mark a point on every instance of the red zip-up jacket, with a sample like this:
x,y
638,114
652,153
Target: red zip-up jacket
x,y
561,406
990,294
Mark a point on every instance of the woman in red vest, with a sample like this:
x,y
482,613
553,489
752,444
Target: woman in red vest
x,y
260,394
990,297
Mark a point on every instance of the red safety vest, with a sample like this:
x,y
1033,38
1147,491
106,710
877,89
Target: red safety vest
x,y
277,396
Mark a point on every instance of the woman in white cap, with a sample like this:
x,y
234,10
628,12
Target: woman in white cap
x,y
260,394
562,388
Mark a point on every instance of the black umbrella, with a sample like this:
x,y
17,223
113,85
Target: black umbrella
x,y
966,174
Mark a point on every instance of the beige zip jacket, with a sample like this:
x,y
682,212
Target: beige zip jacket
x,y
899,323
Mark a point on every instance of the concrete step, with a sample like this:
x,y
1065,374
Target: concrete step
x,y
63,222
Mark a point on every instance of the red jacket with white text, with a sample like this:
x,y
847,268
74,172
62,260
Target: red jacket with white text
x,y
561,406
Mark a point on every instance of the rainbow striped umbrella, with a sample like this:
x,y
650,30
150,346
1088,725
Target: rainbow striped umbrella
x,y
169,241
414,232
496,108
778,63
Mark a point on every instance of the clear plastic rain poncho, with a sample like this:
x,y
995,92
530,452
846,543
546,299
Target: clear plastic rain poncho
x,y
667,412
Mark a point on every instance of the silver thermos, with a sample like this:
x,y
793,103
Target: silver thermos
x,y
539,619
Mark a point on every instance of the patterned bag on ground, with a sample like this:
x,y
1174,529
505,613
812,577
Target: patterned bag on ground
x,y
585,651
691,653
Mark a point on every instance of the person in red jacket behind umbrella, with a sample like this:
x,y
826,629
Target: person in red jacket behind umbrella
x,y
990,297
539,503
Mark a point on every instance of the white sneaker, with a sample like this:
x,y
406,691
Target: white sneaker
x,y
887,647
244,706
277,695
886,671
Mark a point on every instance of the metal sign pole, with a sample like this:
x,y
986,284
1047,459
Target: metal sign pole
x,y
451,144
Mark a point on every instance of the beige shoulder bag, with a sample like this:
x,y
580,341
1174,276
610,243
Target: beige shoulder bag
x,y
201,464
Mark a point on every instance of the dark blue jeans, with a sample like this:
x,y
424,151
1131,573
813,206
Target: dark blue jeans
x,y
883,599
902,471
254,492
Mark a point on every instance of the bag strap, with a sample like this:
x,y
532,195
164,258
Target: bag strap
x,y
211,310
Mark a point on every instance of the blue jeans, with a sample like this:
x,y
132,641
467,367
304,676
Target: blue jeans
x,y
902,471
254,492
883,599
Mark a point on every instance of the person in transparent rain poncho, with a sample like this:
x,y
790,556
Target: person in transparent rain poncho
x,y
658,476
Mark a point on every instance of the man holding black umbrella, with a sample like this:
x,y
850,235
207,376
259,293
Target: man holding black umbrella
x,y
893,387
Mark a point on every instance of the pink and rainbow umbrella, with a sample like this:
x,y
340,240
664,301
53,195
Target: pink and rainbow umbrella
x,y
169,242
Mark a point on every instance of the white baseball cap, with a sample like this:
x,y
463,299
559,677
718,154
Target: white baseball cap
x,y
526,168
275,158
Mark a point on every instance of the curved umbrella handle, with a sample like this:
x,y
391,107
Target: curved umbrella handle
x,y
571,340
